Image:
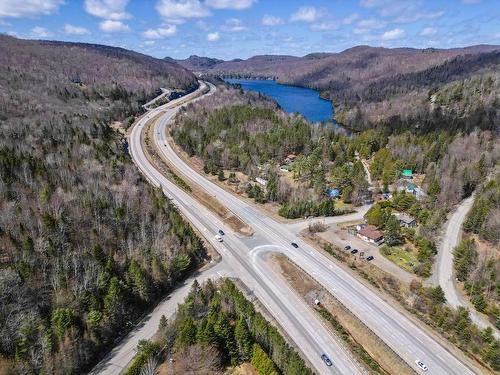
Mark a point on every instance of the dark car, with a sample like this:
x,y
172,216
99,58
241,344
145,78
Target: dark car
x,y
347,248
295,244
221,232
369,258
354,251
325,359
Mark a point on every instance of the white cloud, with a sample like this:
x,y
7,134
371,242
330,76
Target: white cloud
x,y
75,30
111,26
324,26
269,20
28,8
350,19
213,37
371,23
161,32
177,10
428,31
40,32
149,42
367,25
234,25
108,9
496,36
410,16
305,14
229,4
202,25
393,34
373,3
402,11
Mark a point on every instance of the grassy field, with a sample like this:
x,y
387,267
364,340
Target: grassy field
x,y
399,256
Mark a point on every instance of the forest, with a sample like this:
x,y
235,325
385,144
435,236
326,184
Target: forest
x,y
476,259
428,89
86,245
234,131
215,328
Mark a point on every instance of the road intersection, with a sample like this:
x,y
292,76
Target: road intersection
x,y
402,334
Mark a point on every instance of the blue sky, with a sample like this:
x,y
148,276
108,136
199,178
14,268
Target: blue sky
x,y
242,28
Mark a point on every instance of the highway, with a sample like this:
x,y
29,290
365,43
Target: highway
x,y
405,337
299,322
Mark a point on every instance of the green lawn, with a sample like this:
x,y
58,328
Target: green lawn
x,y
401,257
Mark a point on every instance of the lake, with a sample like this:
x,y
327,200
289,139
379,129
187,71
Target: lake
x,y
291,98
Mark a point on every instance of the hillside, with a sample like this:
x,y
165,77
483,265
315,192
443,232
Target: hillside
x,y
370,86
86,245
197,63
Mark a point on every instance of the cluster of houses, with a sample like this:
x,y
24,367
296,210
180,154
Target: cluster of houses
x,y
406,184
372,235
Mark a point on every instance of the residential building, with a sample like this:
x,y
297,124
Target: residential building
x,y
407,173
371,234
406,221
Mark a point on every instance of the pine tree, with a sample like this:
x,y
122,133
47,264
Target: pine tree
x,y
243,339
393,232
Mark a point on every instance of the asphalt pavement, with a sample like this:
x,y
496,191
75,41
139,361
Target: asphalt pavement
x,y
403,335
444,271
301,324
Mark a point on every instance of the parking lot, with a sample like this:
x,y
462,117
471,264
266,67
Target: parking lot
x,y
342,238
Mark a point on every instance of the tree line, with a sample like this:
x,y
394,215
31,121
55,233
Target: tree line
x,y
217,327
86,245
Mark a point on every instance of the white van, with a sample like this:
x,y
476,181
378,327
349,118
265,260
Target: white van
x,y
218,238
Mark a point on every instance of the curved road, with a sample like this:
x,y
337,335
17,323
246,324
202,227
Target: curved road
x,y
301,325
444,270
405,337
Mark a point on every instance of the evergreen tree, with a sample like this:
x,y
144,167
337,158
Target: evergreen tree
x,y
393,232
243,339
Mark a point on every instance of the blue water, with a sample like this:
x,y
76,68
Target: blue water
x,y
291,98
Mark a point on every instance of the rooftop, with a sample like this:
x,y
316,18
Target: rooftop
x,y
407,173
405,218
371,232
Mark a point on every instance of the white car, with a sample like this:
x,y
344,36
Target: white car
x,y
421,365
218,238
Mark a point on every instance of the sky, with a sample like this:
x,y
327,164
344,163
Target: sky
x,y
230,29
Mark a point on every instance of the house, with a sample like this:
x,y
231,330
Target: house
x,y
371,234
406,221
332,193
261,181
415,190
290,158
407,173
411,188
